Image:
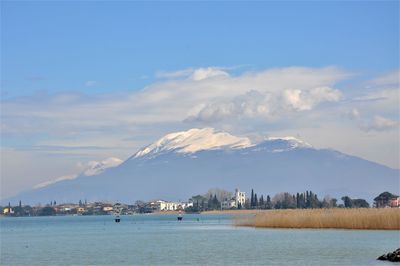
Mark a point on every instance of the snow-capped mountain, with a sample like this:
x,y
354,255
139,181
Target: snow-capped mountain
x,y
182,164
192,141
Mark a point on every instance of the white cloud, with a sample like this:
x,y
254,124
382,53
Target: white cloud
x,y
87,169
175,74
205,73
269,104
90,83
377,107
388,79
94,167
194,74
307,99
379,123
353,114
55,180
68,115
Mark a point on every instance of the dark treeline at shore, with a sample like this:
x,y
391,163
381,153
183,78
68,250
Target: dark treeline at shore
x,y
284,200
305,200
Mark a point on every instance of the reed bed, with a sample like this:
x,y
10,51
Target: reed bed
x,y
364,219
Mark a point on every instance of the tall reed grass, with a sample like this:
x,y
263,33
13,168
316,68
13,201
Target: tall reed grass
x,y
371,219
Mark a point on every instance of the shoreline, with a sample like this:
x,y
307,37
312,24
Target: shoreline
x,y
217,212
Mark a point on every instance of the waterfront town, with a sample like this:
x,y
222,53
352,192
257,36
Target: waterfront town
x,y
214,199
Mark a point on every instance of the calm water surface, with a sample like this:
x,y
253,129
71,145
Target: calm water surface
x,y
161,240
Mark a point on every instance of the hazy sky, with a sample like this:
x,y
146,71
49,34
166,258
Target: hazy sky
x,y
84,81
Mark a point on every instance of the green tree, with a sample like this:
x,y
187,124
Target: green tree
x,y
268,204
198,201
252,199
216,203
359,203
347,202
298,203
210,202
383,199
47,211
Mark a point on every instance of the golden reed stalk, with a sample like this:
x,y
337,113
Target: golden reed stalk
x,y
369,219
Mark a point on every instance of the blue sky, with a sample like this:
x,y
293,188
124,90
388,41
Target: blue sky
x,y
121,45
85,81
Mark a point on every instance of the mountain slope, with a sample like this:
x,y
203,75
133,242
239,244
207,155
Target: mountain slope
x,y
187,163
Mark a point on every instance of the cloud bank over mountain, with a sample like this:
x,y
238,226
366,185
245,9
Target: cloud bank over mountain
x,y
326,106
88,169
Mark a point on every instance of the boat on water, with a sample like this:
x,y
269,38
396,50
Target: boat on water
x,y
180,217
117,212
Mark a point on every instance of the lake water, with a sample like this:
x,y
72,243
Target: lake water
x,y
162,240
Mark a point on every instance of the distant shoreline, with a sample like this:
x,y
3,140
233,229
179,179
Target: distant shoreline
x,y
216,212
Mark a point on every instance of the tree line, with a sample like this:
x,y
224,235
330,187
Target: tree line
x,y
302,200
284,200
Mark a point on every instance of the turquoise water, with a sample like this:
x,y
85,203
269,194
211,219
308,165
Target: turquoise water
x,y
161,240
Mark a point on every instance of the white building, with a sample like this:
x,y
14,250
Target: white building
x,y
228,204
107,208
162,205
240,198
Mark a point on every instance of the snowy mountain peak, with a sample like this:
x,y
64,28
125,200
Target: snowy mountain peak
x,y
95,168
195,140
281,144
292,141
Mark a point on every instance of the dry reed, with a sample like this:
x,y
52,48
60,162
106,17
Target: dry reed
x,y
368,219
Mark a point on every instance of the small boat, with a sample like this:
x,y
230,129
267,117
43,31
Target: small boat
x,y
117,212
180,217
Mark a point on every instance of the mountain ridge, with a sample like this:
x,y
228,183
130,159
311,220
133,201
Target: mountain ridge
x,y
177,172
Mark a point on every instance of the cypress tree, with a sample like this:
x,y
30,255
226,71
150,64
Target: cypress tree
x,y
252,199
209,203
308,199
215,201
311,199
269,205
255,200
316,201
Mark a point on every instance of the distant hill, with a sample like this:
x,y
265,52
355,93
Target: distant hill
x,y
183,164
